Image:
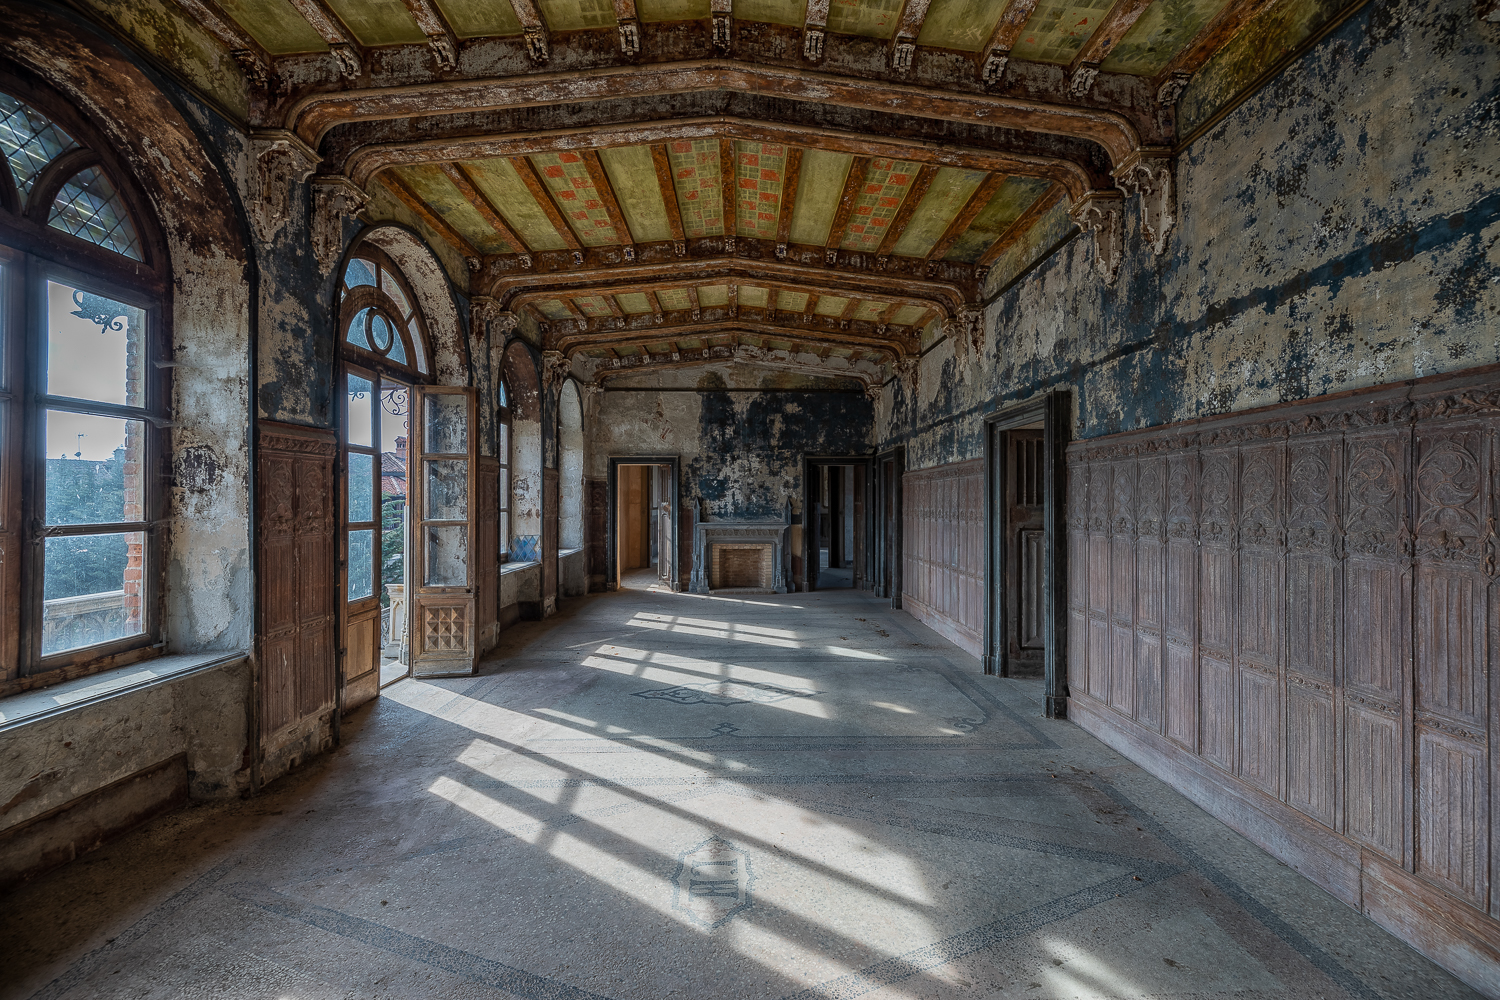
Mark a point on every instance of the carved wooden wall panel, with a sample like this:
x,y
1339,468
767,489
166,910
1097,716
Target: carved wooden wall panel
x,y
297,573
595,511
1301,604
943,558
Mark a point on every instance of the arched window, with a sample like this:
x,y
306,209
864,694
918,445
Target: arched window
x,y
384,352
84,385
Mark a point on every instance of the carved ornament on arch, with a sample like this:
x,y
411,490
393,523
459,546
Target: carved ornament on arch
x,y
335,198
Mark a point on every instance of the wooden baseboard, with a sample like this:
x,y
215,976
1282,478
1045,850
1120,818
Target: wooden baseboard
x,y
1447,930
956,633
59,835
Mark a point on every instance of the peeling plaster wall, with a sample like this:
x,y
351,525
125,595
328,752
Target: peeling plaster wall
x,y
1339,229
741,451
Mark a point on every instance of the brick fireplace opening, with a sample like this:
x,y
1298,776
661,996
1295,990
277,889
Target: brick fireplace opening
x,y
740,566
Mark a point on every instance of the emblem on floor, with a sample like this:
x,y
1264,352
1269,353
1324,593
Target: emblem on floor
x,y
726,693
712,883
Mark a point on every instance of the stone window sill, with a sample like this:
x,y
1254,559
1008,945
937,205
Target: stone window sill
x,y
569,552
516,567
33,706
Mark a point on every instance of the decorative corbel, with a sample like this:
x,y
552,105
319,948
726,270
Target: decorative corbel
x,y
346,60
1083,79
280,160
908,373
335,197
723,15
443,52
902,55
969,327
482,312
872,390
1173,87
1150,173
538,45
812,44
555,368
994,67
1102,213
257,73
630,38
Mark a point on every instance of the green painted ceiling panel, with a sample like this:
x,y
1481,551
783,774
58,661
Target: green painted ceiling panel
x,y
554,309
378,22
473,18
872,18
831,305
592,306
690,344
448,203
700,196
711,296
792,12
1162,31
792,302
951,189
886,184
276,25
908,314
818,189
1057,29
634,303
576,15
577,197
1015,196
498,179
755,296
633,177
674,299
759,172
672,10
964,25
868,312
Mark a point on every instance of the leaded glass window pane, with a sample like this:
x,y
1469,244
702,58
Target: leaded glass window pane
x,y
359,272
89,207
30,141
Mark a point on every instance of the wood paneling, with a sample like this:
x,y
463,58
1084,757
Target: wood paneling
x,y
1305,598
297,573
595,521
487,557
943,558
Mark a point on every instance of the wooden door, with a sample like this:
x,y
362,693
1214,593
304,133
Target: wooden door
x,y
361,537
443,467
1025,551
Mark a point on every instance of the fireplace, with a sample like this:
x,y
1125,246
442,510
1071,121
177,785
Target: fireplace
x,y
739,555
740,566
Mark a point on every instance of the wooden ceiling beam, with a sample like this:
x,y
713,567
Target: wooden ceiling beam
x,y
312,116
996,52
606,190
538,190
534,30
729,185
442,40
791,179
909,204
248,52
1022,225
1085,66
858,169
664,180
464,181
423,211
629,27
903,340
650,289
904,41
348,54
371,159
965,218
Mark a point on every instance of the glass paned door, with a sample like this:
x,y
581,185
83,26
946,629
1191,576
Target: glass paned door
x,y
443,550
375,436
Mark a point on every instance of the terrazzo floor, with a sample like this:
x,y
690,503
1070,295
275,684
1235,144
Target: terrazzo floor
x,y
667,795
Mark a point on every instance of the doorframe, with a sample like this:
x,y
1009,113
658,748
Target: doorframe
x,y
889,542
1054,411
811,462
611,515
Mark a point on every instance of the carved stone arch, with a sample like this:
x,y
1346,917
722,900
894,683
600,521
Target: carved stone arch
x,y
436,298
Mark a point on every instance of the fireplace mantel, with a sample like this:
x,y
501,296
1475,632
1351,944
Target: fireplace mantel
x,y
706,533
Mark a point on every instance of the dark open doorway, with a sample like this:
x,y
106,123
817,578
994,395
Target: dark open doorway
x,y
642,545
835,523
1026,563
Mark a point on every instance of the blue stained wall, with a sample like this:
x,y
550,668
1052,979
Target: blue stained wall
x,y
1339,229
